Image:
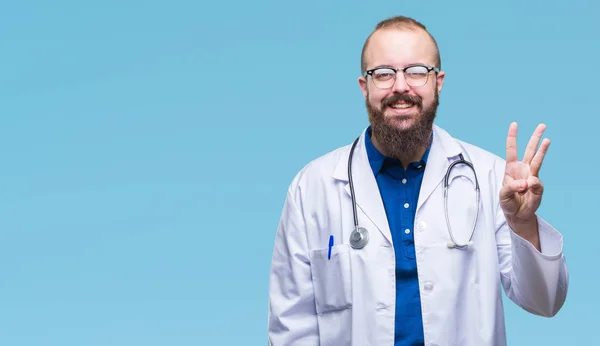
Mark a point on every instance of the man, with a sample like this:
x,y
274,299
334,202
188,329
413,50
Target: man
x,y
407,281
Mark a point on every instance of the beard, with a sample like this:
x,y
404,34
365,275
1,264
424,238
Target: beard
x,y
398,142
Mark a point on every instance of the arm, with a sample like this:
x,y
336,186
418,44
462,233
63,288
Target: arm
x,y
530,250
536,281
292,318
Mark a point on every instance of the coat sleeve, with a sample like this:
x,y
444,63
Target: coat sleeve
x,y
536,281
292,316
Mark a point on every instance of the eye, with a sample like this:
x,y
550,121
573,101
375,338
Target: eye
x,y
416,71
384,74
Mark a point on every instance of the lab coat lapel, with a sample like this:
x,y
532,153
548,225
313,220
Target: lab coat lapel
x,y
368,198
443,149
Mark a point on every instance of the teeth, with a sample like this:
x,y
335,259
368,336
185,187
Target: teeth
x,y
402,105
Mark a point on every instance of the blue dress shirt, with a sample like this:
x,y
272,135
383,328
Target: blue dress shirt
x,y
399,189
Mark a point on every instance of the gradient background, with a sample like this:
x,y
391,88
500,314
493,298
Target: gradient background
x,y
146,148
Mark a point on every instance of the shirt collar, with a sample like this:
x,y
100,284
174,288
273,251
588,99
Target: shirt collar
x,y
376,158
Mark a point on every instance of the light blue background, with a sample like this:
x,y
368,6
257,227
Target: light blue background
x,y
146,148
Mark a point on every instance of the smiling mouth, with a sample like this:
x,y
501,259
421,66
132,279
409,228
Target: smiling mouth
x,y
402,105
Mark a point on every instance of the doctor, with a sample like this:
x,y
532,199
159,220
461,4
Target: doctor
x,y
426,268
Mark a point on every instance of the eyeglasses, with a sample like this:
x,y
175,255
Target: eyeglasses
x,y
414,75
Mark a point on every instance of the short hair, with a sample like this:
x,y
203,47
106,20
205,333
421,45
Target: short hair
x,y
399,22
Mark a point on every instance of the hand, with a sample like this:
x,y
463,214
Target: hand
x,y
521,192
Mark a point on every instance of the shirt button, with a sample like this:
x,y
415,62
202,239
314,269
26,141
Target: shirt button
x,y
407,231
406,205
404,181
428,286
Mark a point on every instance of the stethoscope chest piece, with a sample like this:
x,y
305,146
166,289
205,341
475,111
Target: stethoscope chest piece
x,y
359,238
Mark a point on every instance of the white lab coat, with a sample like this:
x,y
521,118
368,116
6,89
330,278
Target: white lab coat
x,y
349,299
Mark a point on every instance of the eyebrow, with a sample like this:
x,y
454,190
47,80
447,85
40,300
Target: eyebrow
x,y
400,68
383,66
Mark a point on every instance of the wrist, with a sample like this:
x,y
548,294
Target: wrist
x,y
525,228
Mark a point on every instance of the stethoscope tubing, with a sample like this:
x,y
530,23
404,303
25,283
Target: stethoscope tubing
x,y
362,234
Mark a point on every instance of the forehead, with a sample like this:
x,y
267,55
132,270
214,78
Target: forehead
x,y
399,47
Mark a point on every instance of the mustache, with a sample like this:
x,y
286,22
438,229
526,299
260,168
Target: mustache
x,y
388,102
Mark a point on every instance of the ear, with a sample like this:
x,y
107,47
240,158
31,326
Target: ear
x,y
440,80
362,82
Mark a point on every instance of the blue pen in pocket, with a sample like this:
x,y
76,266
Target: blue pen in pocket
x,y
330,246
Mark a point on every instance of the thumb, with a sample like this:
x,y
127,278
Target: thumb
x,y
509,189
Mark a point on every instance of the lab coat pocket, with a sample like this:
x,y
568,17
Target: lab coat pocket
x,y
332,278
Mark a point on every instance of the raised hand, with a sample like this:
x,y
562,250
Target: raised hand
x,y
521,192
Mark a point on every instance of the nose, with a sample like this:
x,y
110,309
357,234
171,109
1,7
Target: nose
x,y
400,85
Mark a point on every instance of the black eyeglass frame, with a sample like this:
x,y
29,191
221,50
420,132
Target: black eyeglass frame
x,y
428,67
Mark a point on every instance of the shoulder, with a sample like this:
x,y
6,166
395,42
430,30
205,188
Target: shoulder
x,y
482,156
321,169
484,161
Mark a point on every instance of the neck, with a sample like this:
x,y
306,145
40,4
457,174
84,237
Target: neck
x,y
406,157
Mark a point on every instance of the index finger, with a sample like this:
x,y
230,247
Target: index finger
x,y
511,143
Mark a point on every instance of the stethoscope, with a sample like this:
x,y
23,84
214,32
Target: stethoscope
x,y
360,236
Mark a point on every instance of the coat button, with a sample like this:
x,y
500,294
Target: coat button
x,y
421,226
428,286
